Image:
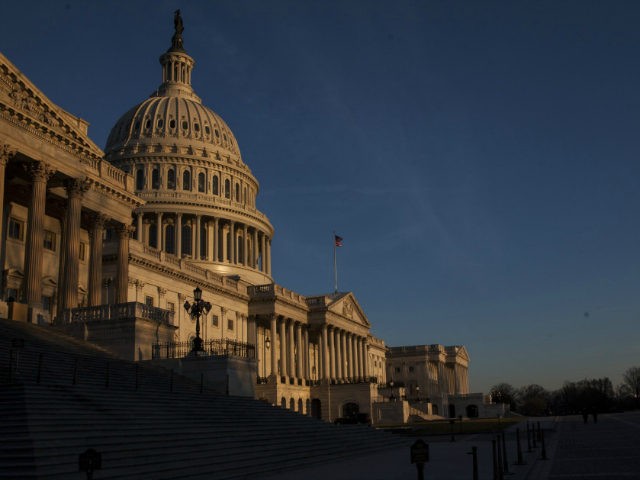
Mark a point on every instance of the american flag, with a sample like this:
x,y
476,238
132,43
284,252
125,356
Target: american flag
x,y
338,240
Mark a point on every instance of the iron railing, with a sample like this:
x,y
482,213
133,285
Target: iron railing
x,y
214,347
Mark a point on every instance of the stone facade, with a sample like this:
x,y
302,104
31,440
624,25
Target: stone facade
x,y
108,245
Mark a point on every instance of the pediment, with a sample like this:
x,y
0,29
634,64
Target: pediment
x,y
30,109
346,305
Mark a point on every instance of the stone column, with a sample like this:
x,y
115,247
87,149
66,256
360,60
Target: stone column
x,y
232,242
75,188
292,350
306,371
268,270
95,259
198,253
254,250
332,355
209,226
122,268
283,347
225,243
159,232
245,250
178,234
352,363
360,364
40,174
300,357
216,233
274,352
6,152
338,347
263,260
139,216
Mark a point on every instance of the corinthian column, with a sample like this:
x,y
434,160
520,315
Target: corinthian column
x,y
95,259
40,174
75,189
122,273
6,152
283,347
274,351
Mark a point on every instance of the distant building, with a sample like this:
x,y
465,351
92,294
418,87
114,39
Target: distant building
x,y
109,246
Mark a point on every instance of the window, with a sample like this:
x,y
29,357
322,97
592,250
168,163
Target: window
x,y
16,229
171,307
397,369
201,182
186,180
237,192
214,186
214,320
410,369
47,303
229,324
227,189
186,240
140,179
171,179
83,251
169,239
12,295
172,124
49,240
155,178
148,301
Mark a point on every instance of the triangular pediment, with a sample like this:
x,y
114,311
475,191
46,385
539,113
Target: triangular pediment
x,y
346,305
28,108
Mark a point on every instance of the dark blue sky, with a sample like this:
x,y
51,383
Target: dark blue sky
x,y
480,159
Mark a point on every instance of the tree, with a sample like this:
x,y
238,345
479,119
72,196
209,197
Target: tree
x,y
532,400
503,393
632,380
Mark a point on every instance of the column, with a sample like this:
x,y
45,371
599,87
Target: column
x,y
300,359
159,232
95,259
332,354
283,347
352,357
216,233
193,238
209,226
323,355
40,174
254,249
291,349
359,355
268,255
122,268
339,362
232,242
365,361
274,352
6,152
224,246
139,216
198,252
245,250
306,371
263,260
75,188
178,233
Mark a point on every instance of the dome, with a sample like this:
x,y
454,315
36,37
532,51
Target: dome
x,y
162,120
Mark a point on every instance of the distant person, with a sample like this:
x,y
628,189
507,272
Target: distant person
x,y
585,416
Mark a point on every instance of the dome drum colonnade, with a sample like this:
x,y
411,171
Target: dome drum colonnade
x,y
199,194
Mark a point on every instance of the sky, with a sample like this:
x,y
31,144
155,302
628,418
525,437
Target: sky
x,y
479,159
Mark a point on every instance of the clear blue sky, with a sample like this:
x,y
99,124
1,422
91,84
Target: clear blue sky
x,y
480,159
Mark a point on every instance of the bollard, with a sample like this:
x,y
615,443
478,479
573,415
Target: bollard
x,y
505,462
136,376
106,376
74,379
533,436
474,454
90,461
519,447
528,437
171,381
453,435
419,456
544,449
539,430
201,382
499,451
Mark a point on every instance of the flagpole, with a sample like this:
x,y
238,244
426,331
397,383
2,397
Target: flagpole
x,y
335,265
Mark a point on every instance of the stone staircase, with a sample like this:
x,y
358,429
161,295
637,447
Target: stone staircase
x,y
60,396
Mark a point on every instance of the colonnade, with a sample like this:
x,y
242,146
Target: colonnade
x,y
68,273
342,355
209,238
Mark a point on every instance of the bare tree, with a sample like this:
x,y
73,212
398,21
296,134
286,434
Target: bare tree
x,y
632,380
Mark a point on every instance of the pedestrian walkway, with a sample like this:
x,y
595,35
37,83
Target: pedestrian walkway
x,y
448,460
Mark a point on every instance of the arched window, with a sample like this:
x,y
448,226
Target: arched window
x,y
171,179
214,185
155,178
140,179
201,182
186,180
227,188
186,240
169,239
237,192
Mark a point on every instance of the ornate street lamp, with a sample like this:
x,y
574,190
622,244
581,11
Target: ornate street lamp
x,y
418,392
195,310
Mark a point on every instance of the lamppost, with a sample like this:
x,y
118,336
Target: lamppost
x,y
418,392
195,310
267,346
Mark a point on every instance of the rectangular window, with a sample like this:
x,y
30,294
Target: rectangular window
x,y
214,320
50,240
16,229
12,294
83,251
148,301
171,307
47,303
229,324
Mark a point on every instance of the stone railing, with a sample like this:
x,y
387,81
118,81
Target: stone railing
x,y
272,290
213,347
116,311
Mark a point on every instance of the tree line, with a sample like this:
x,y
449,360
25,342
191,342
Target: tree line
x,y
584,396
